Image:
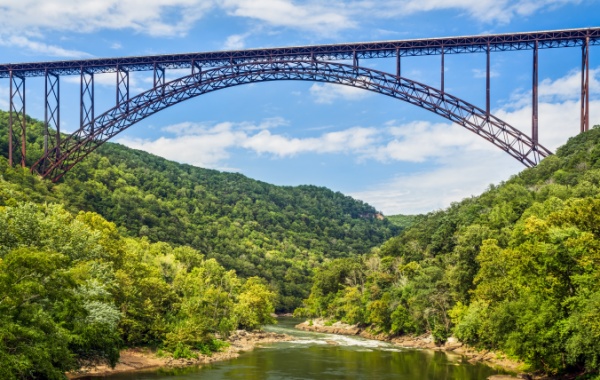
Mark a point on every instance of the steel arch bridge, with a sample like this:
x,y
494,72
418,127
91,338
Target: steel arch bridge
x,y
219,70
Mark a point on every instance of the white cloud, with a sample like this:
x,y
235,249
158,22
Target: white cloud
x,y
501,11
316,16
459,176
194,144
353,140
177,17
207,145
40,47
478,73
25,22
235,41
4,96
455,163
420,141
465,164
110,80
569,86
327,93
153,17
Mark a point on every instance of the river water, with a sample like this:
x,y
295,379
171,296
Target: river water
x,y
324,356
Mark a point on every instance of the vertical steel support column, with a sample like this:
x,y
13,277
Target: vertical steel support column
x,y
585,86
197,68
122,87
17,111
10,122
534,97
159,77
442,76
487,82
52,112
398,64
354,59
86,105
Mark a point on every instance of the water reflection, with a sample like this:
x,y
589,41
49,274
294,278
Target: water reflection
x,y
324,357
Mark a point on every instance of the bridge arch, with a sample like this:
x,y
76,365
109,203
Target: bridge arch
x,y
60,159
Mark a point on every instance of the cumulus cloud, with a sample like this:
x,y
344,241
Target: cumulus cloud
x,y
451,180
464,164
350,140
328,93
420,141
25,22
569,86
320,16
40,47
153,17
177,17
196,144
208,145
501,11
454,162
469,172
235,41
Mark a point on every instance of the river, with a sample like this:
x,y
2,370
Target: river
x,y
325,356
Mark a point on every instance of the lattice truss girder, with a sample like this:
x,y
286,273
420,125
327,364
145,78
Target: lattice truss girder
x,y
17,127
417,47
94,133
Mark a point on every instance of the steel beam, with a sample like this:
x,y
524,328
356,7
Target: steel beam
x,y
122,87
487,81
534,97
52,110
512,141
159,77
86,104
196,68
382,49
442,74
585,86
17,116
398,64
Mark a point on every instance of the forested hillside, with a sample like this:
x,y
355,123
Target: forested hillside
x,y
257,229
74,292
515,269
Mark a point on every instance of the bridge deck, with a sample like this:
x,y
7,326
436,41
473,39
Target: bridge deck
x,y
382,49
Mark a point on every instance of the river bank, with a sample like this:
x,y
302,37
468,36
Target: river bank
x,y
139,359
425,341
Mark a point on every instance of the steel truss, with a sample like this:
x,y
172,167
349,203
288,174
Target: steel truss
x,y
122,87
17,115
324,54
78,145
52,110
352,51
86,105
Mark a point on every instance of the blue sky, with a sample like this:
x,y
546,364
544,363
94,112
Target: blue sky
x,y
392,155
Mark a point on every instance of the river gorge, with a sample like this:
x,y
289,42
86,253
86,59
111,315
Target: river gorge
x,y
320,356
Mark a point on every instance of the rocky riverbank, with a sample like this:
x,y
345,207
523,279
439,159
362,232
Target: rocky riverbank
x,y
422,342
139,359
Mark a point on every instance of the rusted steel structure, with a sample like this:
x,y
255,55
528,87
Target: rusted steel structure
x,y
211,71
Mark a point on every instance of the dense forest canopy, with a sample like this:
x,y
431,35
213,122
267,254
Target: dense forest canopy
x,y
279,233
131,249
515,269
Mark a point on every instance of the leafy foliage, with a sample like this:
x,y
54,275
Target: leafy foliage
x,y
515,269
277,233
73,291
